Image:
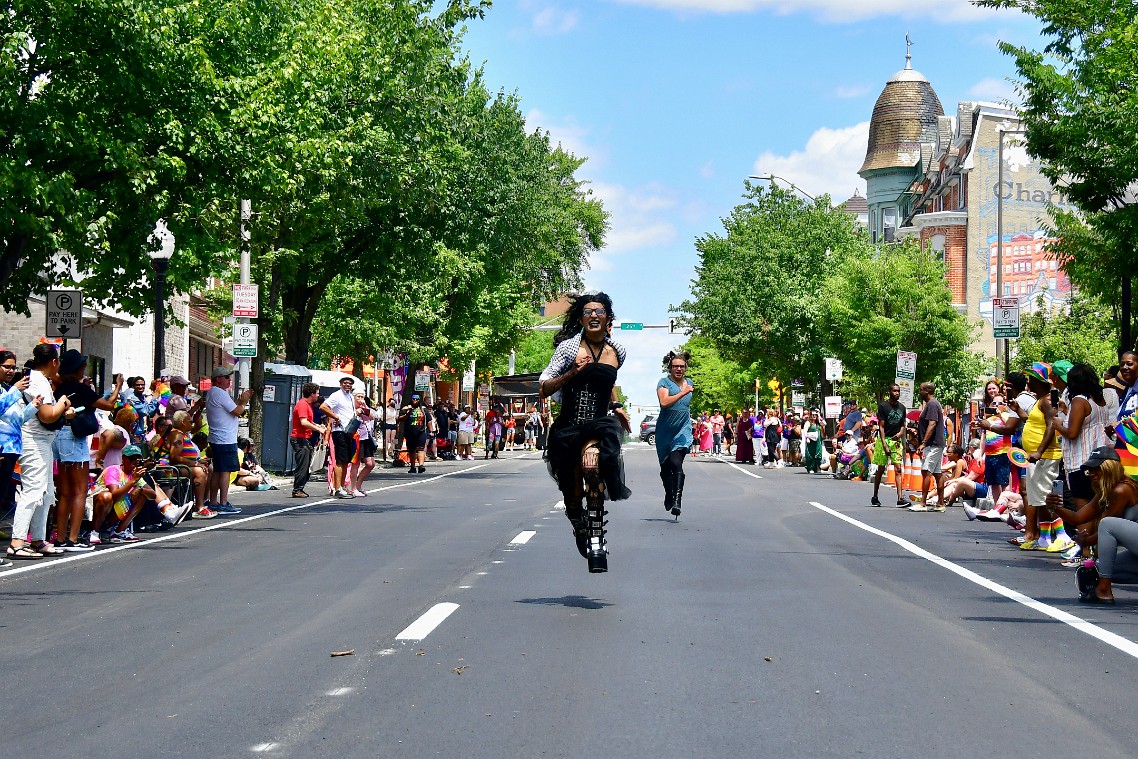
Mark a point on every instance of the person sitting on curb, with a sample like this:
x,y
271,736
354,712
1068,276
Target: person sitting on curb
x,y
125,490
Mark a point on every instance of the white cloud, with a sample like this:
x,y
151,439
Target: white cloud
x,y
828,163
852,91
638,217
994,90
837,11
571,135
550,18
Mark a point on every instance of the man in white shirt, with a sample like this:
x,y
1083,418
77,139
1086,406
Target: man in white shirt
x,y
467,421
340,407
222,413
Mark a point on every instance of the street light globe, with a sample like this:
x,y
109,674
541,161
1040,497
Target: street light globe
x,y
165,239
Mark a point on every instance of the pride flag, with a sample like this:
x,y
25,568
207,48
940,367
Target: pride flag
x,y
162,392
1126,444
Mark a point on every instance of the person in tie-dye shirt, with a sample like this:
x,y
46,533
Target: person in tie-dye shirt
x,y
998,429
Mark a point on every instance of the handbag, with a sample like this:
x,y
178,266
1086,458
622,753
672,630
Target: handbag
x,y
84,424
352,427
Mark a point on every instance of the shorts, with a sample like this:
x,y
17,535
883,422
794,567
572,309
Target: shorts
x,y
530,434
1079,485
224,457
981,490
389,427
416,439
69,449
997,470
934,458
784,444
1040,477
367,449
466,438
344,446
882,457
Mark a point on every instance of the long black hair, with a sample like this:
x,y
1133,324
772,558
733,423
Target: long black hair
x,y
1082,380
572,324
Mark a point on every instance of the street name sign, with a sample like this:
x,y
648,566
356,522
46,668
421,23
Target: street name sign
x,y
64,314
631,325
245,340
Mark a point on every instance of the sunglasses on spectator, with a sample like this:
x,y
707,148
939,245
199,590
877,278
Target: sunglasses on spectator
x,y
595,312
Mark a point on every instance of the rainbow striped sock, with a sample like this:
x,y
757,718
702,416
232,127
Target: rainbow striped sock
x,y
1058,532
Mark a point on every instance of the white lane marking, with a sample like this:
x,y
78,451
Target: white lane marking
x,y
341,691
262,748
424,625
1124,645
387,652
6,573
744,471
559,505
523,537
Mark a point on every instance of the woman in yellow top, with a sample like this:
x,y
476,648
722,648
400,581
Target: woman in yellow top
x,y
1044,458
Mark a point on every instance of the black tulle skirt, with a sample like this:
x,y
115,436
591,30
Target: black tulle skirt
x,y
563,454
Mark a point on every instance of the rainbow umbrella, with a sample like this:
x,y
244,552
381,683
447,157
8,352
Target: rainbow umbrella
x,y
1126,444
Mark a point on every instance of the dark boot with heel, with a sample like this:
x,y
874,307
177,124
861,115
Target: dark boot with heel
x,y
677,492
669,491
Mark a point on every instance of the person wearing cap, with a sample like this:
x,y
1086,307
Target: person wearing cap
x,y
177,400
467,421
340,407
1114,509
122,489
222,413
930,448
1044,457
73,451
416,425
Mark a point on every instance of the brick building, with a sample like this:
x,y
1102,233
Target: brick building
x,y
935,178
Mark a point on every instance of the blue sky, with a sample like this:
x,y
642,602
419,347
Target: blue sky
x,y
676,102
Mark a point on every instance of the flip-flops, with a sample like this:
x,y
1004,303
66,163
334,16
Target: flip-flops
x,y
23,552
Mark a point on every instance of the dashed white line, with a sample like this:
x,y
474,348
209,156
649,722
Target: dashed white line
x,y
741,469
523,537
424,625
1124,645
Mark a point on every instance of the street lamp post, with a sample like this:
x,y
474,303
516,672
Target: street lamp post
x,y
1002,346
160,261
771,177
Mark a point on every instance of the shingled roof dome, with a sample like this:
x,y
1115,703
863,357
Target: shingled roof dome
x,y
904,116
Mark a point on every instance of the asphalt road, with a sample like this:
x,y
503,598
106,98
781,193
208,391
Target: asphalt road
x,y
780,616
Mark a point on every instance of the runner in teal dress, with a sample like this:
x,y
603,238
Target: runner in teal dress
x,y
673,428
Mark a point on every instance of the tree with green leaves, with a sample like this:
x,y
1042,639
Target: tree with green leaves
x,y
757,287
1081,333
1080,105
719,382
881,301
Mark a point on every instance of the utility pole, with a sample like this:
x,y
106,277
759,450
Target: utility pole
x,y
246,215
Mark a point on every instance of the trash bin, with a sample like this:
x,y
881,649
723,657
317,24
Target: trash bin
x,y
283,383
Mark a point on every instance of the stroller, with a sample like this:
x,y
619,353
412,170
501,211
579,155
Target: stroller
x,y
444,448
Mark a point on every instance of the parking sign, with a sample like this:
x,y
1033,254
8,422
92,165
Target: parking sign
x,y
1005,317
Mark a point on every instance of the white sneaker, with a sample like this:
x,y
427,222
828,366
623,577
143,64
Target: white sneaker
x,y
93,539
360,494
779,465
342,493
969,511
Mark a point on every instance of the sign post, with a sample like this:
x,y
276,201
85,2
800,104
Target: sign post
x,y
64,314
245,340
1005,317
906,377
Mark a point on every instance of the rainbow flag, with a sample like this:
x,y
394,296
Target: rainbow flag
x,y
162,391
1126,444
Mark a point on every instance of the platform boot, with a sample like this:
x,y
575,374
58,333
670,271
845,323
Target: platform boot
x,y
597,548
669,490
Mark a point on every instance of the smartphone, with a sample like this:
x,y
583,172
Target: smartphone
x,y
1057,487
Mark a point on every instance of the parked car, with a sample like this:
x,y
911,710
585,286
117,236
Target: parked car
x,y
648,429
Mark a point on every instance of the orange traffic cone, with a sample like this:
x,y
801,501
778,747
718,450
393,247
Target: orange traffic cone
x,y
890,474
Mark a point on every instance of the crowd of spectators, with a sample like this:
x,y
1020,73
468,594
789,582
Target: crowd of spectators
x,y
79,468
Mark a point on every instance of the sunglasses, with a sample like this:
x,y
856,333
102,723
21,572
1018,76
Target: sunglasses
x,y
595,312
9,367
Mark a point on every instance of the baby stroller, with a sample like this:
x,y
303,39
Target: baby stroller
x,y
444,448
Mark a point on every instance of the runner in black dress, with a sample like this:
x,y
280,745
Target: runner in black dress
x,y
583,449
